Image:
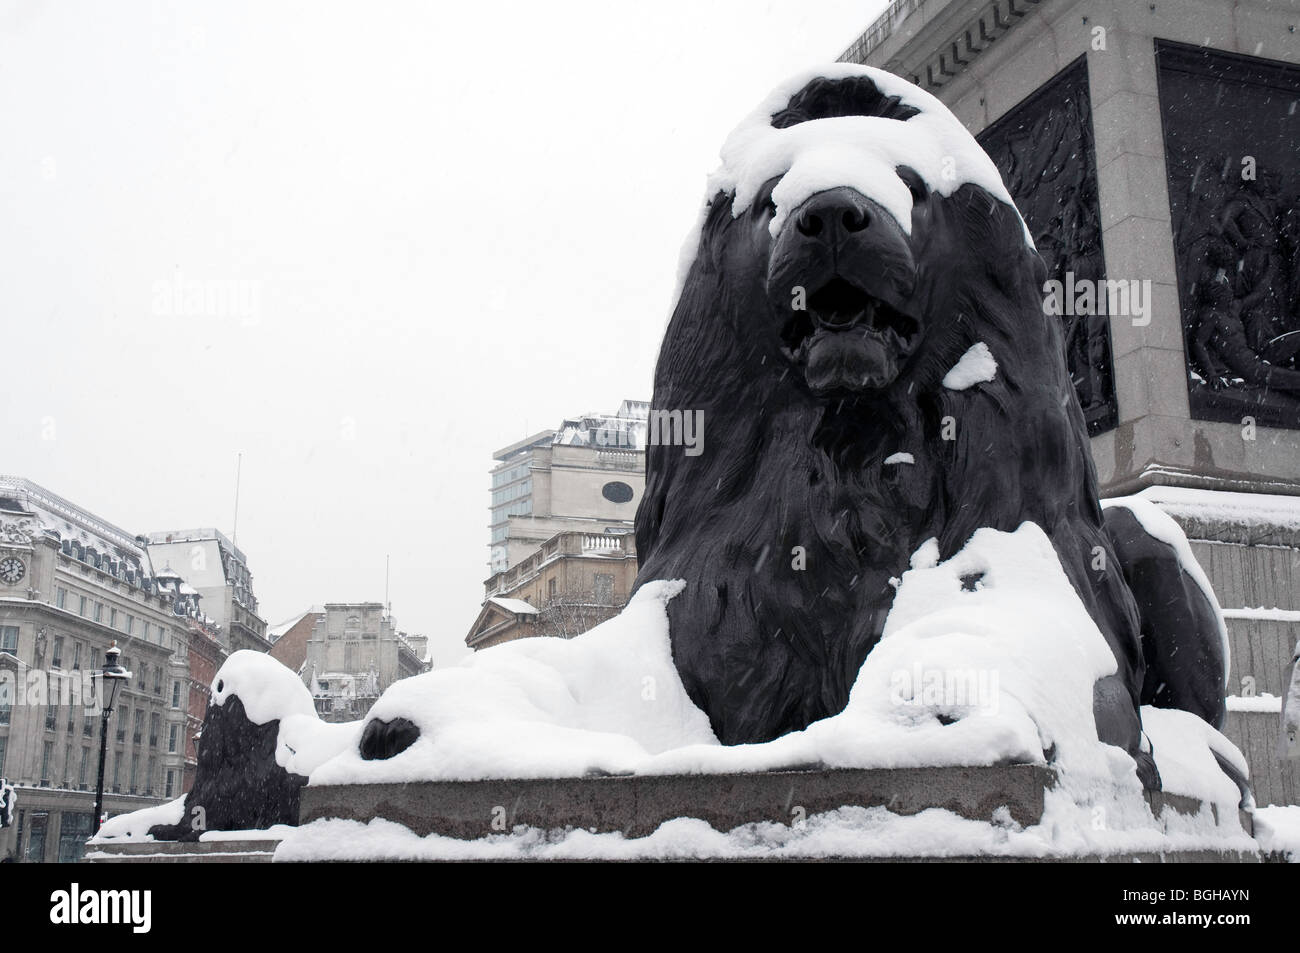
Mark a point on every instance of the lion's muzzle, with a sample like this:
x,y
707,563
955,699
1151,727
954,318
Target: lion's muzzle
x,y
843,271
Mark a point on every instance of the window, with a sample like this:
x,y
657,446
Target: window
x,y
74,830
9,638
67,766
57,659
47,755
157,680
112,618
117,772
170,790
150,773
130,624
617,492
137,733
135,770
550,589
99,612
176,694
604,588
51,716
4,743
85,763
76,656
352,627
172,734
142,680
155,723
61,597
81,605
6,710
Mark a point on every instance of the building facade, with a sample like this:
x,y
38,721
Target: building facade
x,y
206,655
586,476
354,653
289,638
573,582
71,583
218,570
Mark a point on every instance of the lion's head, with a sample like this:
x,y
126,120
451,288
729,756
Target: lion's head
x,y
858,214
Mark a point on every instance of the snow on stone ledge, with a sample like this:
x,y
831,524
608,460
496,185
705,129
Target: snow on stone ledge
x,y
134,827
1247,509
604,701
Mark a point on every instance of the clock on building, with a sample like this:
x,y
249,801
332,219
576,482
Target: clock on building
x,y
11,570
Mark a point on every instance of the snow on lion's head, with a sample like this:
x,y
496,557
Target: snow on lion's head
x,y
860,324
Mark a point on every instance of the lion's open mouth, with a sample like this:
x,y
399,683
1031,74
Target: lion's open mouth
x,y
847,339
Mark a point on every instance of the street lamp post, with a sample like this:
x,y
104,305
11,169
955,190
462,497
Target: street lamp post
x,y
111,678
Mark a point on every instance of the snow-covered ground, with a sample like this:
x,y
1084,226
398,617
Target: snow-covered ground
x,y
847,832
1278,828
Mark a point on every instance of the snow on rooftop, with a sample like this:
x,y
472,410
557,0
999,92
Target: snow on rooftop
x,y
517,606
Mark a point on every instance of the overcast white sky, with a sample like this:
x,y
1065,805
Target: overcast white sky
x,y
461,223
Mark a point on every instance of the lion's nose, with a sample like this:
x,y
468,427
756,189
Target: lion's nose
x,y
834,214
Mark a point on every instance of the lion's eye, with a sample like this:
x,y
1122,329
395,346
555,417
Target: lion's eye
x,y
915,184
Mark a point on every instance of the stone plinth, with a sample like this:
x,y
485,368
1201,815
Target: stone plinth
x,y
638,804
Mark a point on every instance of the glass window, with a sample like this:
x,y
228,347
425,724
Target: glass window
x,y
85,764
47,755
8,638
74,830
61,597
99,612
76,655
112,618
176,694
57,659
172,733
170,790
81,605
4,743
